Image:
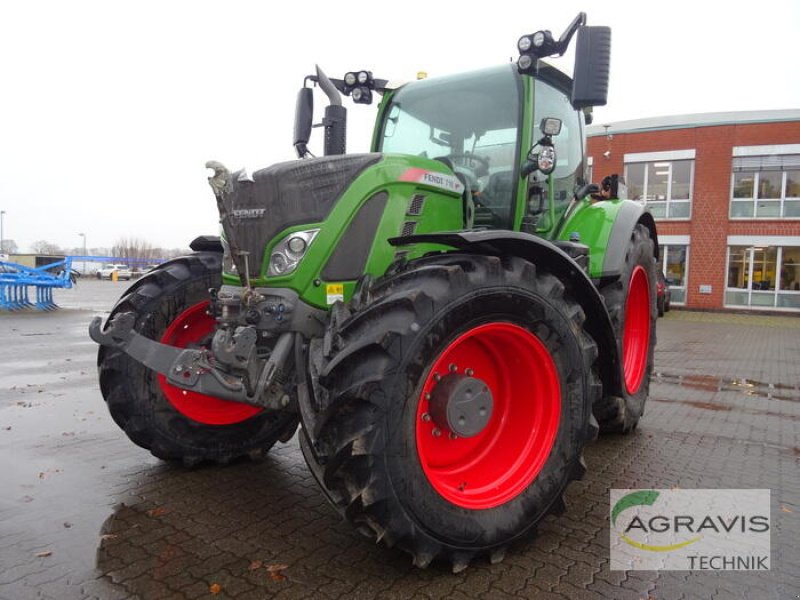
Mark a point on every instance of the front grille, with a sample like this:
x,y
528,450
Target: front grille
x,y
417,202
285,194
409,227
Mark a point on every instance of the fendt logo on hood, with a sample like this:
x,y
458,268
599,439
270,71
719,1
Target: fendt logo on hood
x,y
683,529
441,181
248,213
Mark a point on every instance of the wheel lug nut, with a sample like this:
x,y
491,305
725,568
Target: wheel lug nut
x,y
469,372
453,436
437,377
453,368
426,417
436,432
427,396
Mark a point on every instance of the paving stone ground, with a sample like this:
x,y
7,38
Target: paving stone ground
x,y
86,514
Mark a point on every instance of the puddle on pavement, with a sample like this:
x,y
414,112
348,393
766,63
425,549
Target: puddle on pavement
x,y
716,407
748,387
708,405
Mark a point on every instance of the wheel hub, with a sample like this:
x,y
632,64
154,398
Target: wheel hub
x,y
461,404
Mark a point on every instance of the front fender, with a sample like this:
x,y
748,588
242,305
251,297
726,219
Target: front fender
x,y
544,253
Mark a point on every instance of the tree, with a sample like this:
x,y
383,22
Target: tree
x,y
9,247
45,247
133,250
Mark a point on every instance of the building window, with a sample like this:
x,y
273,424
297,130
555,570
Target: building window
x,y
763,277
665,187
766,187
673,258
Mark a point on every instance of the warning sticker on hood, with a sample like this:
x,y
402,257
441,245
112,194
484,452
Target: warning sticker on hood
x,y
448,183
334,292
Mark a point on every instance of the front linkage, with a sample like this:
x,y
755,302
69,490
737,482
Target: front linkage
x,y
251,354
246,363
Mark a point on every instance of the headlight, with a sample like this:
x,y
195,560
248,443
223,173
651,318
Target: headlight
x,y
363,77
538,39
297,245
287,254
524,43
278,265
350,79
357,94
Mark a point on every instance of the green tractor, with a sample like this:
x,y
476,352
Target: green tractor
x,y
449,318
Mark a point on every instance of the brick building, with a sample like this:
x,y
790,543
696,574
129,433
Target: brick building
x,y
725,191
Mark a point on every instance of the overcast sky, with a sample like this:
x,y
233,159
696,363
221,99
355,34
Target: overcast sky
x,y
109,110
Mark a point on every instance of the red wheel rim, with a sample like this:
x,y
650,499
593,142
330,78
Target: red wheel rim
x,y
496,465
193,329
636,336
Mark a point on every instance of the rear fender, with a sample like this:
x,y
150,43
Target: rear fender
x,y
606,227
544,253
628,217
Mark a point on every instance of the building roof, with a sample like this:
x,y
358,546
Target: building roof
x,y
695,120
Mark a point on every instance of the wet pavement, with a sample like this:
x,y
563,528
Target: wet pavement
x,y
86,514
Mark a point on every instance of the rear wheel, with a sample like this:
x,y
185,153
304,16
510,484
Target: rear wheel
x,y
453,406
631,304
170,305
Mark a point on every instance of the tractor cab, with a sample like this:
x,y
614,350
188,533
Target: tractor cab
x,y
513,135
502,147
469,122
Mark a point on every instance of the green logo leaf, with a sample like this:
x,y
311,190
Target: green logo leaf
x,y
642,497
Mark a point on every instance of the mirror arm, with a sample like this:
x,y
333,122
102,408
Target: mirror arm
x,y
528,167
329,88
563,42
586,190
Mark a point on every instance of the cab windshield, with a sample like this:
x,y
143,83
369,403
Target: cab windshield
x,y
469,121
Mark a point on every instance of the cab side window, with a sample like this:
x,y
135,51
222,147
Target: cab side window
x,y
549,102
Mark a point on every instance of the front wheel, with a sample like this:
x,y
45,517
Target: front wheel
x,y
170,304
454,406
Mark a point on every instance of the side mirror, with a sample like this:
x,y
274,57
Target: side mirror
x,y
543,161
303,120
546,160
592,64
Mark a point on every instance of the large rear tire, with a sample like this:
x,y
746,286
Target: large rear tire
x,y
383,450
170,306
632,306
